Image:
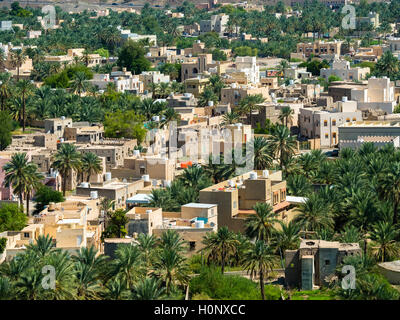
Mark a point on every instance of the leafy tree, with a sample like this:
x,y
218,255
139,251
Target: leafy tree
x,y
126,124
44,195
12,218
116,225
132,57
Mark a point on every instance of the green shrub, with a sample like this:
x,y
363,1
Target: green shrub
x,y
3,242
213,284
12,218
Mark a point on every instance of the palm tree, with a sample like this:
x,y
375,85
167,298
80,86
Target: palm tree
x,y
387,65
217,84
35,179
25,88
21,175
64,276
66,159
207,95
91,164
87,269
220,246
147,246
195,177
390,187
44,246
171,240
79,83
384,235
128,265
287,237
248,104
298,185
260,226
17,59
314,215
262,153
148,289
171,268
169,115
286,115
259,260
230,118
5,89
116,290
283,144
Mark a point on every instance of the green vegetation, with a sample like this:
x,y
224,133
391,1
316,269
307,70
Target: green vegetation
x,y
214,285
12,218
44,195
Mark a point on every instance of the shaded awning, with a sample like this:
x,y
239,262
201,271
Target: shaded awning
x,y
139,199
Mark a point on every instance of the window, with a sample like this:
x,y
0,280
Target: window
x,y
325,123
276,198
59,128
326,136
108,158
354,119
192,245
327,262
234,204
333,122
26,234
348,120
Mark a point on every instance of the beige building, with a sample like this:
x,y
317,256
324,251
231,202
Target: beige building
x,y
156,167
113,189
318,48
72,224
233,94
236,197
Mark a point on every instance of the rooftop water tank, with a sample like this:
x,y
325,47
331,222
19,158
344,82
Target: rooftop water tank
x,y
344,99
265,173
253,175
199,224
231,183
93,195
62,118
85,185
108,176
156,118
136,153
149,211
146,178
210,103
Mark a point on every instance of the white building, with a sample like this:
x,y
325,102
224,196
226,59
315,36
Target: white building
x,y
217,23
353,135
379,94
323,123
127,34
247,65
123,81
6,26
149,77
341,69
